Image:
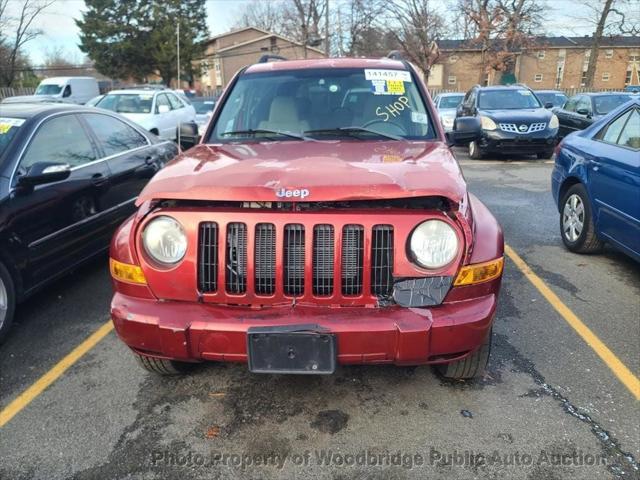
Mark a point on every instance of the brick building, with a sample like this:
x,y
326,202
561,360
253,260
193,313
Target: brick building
x,y
227,53
554,63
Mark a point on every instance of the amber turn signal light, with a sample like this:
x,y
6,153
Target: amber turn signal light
x,y
124,272
479,272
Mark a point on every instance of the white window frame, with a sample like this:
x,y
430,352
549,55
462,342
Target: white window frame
x,y
538,77
608,53
452,80
606,76
541,54
454,58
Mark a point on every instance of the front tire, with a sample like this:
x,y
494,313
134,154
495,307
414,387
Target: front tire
x,y
472,366
7,301
475,152
576,222
161,366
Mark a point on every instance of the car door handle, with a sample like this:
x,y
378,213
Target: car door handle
x,y
151,159
98,179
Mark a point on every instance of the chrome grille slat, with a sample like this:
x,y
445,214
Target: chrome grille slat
x,y
323,259
208,261
294,245
514,128
236,261
352,261
265,259
382,260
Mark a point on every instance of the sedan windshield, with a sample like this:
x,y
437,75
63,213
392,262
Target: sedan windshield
x,y
350,103
48,89
450,101
8,129
603,104
507,100
127,102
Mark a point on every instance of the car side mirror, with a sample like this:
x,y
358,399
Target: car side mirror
x,y
548,105
41,173
163,109
188,135
582,111
466,129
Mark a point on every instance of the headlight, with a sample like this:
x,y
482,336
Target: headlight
x,y
164,240
554,122
487,123
433,244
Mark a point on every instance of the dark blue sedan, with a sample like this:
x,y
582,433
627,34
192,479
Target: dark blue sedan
x,y
596,183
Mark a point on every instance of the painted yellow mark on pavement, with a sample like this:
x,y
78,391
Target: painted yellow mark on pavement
x,y
608,357
26,397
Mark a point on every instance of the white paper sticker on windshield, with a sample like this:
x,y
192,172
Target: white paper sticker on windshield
x,y
417,117
375,74
6,123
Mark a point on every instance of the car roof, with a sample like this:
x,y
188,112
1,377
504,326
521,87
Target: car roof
x,y
138,91
603,94
328,63
549,91
503,87
451,94
28,110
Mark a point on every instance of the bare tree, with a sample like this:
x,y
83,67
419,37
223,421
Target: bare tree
x,y
59,62
363,23
21,31
418,27
264,15
305,21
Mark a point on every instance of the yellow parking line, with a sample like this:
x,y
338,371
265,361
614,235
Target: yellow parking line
x,y
26,397
608,357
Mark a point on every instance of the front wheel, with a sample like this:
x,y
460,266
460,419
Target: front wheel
x,y
474,151
7,301
576,222
472,366
162,366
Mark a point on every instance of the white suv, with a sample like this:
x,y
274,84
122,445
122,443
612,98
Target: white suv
x,y
160,111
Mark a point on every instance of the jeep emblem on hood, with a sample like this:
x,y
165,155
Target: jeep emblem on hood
x,y
297,193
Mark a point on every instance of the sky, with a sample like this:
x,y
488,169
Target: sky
x,y
60,32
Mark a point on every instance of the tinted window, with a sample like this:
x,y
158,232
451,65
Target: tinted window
x,y
162,100
127,102
175,103
630,136
309,100
59,140
48,89
606,103
612,132
507,99
8,129
570,106
114,136
584,103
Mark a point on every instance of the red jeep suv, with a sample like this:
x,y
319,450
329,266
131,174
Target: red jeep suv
x,y
321,220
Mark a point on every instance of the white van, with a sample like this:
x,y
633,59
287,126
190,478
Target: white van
x,y
69,89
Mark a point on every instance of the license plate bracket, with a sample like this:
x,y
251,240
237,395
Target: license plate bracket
x,y
291,349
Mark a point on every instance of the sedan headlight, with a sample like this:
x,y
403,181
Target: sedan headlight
x,y
487,123
164,240
433,244
554,123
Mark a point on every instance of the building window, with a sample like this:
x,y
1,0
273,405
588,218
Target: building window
x,y
537,77
559,75
608,53
452,80
605,76
485,80
541,54
453,58
583,78
562,53
627,77
587,54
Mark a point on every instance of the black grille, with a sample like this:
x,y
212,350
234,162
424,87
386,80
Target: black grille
x,y
382,260
236,266
294,259
352,261
208,252
323,258
265,259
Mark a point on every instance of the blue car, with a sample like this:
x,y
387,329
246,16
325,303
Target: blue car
x,y
596,183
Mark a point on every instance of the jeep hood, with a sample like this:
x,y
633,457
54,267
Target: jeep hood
x,y
328,170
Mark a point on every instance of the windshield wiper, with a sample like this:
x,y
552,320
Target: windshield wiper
x,y
354,129
263,130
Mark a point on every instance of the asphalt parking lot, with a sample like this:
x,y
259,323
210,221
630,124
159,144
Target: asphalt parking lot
x,y
548,408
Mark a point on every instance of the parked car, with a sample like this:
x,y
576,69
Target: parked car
x,y
68,176
583,109
61,89
447,103
632,88
158,110
304,232
551,98
204,109
513,121
596,183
